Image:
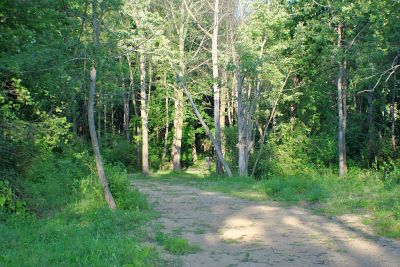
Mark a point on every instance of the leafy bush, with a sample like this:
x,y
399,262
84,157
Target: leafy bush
x,y
9,203
121,152
120,185
286,153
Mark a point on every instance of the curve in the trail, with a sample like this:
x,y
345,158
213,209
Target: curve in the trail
x,y
236,232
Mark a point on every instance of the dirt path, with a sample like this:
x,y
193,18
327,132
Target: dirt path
x,y
236,232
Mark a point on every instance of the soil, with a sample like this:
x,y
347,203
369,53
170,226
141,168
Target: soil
x,y
237,232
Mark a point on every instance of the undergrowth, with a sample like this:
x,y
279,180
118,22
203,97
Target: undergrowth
x,y
67,222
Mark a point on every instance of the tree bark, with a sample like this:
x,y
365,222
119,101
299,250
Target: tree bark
x,y
222,113
99,117
164,153
214,57
242,140
178,125
92,128
341,85
143,115
126,116
393,110
178,95
112,120
370,124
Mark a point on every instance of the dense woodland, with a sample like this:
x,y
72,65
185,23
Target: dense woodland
x,y
262,89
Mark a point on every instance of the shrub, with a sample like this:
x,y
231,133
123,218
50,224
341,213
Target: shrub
x,y
125,196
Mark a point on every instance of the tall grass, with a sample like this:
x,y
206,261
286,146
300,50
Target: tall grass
x,y
69,224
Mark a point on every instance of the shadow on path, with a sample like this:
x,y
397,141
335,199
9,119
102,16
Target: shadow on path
x,y
236,232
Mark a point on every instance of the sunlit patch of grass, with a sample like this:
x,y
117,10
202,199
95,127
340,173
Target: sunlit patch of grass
x,y
176,244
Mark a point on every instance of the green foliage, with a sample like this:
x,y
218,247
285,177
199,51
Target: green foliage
x,y
9,203
287,152
126,197
120,152
176,245
72,224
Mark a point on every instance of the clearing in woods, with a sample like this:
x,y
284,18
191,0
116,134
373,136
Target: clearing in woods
x,y
236,232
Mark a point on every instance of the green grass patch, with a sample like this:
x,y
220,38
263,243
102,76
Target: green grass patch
x,y
176,244
69,223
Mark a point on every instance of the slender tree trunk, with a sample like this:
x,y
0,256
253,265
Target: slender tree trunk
x,y
92,128
178,95
222,114
164,153
99,117
150,85
242,138
341,85
112,120
178,125
135,112
393,111
126,116
370,124
233,101
230,108
105,118
143,115
216,89
220,157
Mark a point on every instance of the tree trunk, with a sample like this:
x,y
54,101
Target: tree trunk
x,y
214,57
178,125
92,128
341,85
99,116
222,113
112,120
126,116
178,95
393,110
143,115
105,118
135,112
242,138
150,85
164,153
220,157
370,125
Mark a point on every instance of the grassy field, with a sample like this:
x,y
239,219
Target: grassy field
x,y
358,193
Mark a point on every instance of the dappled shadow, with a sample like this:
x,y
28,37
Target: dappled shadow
x,y
240,232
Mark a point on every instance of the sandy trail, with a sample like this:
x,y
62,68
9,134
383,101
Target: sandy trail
x,y
236,232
